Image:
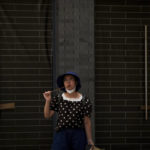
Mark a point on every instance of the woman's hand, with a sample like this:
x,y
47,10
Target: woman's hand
x,y
47,112
90,142
47,95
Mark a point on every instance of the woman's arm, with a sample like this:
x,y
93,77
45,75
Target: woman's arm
x,y
88,129
47,112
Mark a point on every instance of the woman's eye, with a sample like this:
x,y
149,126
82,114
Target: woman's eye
x,y
71,79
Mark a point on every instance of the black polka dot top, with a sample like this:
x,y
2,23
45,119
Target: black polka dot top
x,y
71,112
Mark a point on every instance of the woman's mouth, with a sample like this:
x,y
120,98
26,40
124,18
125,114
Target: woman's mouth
x,y
68,86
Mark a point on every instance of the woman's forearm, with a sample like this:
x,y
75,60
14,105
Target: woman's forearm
x,y
47,109
88,129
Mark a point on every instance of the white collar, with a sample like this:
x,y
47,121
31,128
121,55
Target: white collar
x,y
72,99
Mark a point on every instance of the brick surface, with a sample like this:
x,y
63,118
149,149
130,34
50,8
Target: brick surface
x,y
25,72
119,74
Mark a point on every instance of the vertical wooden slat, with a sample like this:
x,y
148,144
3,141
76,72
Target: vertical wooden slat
x,y
146,102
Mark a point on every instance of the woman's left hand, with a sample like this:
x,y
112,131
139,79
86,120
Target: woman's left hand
x,y
90,142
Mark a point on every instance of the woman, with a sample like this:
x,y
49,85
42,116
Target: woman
x,y
73,130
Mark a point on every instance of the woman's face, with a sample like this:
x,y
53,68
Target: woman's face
x,y
69,82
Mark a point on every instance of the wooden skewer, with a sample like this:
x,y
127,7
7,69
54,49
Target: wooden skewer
x,y
57,89
53,91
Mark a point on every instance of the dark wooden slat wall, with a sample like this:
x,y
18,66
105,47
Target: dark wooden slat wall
x,y
119,72
25,72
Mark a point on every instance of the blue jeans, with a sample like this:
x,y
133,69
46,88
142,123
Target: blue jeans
x,y
69,139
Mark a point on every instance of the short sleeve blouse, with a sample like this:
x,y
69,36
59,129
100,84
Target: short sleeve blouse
x,y
54,104
71,113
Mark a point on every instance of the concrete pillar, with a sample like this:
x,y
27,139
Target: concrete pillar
x,y
74,42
